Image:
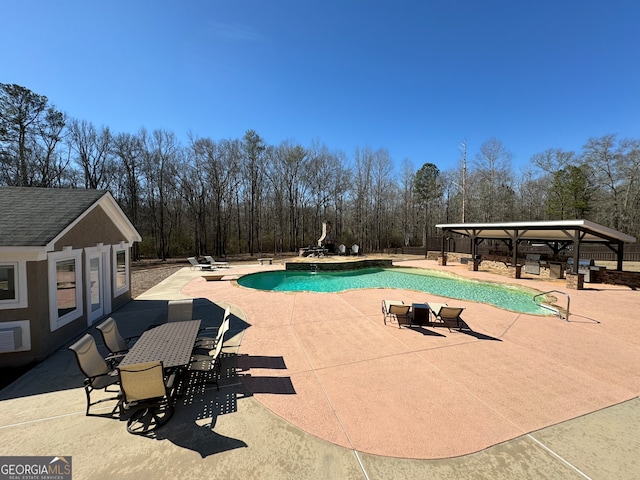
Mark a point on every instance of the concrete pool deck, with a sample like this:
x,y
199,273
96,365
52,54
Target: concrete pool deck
x,y
323,389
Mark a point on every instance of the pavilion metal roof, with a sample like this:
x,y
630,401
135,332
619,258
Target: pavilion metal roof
x,y
549,231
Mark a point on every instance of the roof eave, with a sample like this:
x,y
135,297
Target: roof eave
x,y
115,213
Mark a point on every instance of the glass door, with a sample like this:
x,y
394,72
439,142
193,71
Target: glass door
x,y
95,287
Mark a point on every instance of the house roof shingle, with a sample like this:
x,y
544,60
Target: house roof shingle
x,y
32,217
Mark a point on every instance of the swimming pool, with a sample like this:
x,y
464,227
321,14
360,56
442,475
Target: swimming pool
x,y
509,297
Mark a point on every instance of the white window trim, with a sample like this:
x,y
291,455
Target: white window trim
x,y
66,254
117,248
99,251
22,295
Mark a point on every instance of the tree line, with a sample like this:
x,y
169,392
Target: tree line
x,y
244,196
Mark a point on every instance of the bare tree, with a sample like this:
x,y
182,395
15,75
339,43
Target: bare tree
x,y
162,154
128,152
287,166
554,159
384,190
254,148
93,153
532,194
362,191
324,172
493,179
408,204
617,168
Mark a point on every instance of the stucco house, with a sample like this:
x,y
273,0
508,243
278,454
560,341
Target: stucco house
x,y
64,265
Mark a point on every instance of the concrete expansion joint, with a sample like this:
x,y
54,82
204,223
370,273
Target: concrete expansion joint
x,y
559,457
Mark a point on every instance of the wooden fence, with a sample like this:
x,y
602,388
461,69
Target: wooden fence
x,y
463,245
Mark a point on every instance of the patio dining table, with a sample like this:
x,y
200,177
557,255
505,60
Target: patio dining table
x,y
172,343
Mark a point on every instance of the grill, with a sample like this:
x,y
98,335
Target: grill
x,y
582,263
532,263
585,266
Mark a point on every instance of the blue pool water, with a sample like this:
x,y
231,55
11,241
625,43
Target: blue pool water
x,y
430,281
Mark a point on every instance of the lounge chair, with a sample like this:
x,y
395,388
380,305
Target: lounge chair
x,y
212,262
355,249
99,376
195,264
396,310
146,392
342,250
115,343
180,310
446,315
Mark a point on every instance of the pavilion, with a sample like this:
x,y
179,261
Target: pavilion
x,y
557,235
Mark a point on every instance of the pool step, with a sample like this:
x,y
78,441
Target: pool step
x,y
562,313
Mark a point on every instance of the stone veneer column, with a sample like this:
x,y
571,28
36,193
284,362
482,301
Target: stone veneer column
x,y
575,281
515,271
442,259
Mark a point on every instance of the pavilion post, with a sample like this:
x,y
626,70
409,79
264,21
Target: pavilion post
x,y
620,256
575,280
443,254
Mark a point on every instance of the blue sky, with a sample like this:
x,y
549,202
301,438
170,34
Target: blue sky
x,y
414,77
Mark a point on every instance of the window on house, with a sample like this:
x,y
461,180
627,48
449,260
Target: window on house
x,y
66,286
120,269
13,285
94,284
8,283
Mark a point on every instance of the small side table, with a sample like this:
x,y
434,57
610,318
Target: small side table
x,y
421,315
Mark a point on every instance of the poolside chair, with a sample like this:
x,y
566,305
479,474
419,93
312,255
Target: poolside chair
x,y
208,343
99,376
355,249
195,264
446,315
115,343
180,310
206,368
396,310
342,250
148,395
211,261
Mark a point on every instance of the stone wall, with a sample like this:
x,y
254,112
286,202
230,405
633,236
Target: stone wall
x,y
451,256
614,277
